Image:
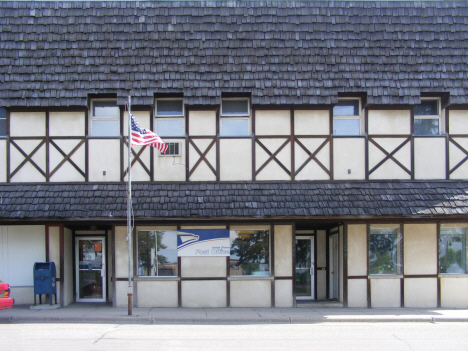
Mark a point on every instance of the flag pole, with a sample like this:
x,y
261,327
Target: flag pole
x,y
129,209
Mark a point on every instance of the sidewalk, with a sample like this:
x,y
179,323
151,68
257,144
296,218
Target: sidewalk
x,y
97,313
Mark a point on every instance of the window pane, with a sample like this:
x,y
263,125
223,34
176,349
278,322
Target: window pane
x,y
452,250
384,251
170,127
234,127
105,128
426,126
2,127
105,109
157,253
427,108
2,113
346,126
346,108
169,108
235,107
250,252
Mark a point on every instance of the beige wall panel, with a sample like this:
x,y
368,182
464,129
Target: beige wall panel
x,y
341,262
312,171
357,250
27,124
420,292
24,295
68,293
3,161
236,159
456,156
28,173
357,292
321,259
121,253
390,170
311,122
283,250
121,291
429,158
202,123
196,267
349,154
458,122
143,118
420,249
67,123
104,155
385,292
203,293
389,122
202,172
66,172
138,172
321,285
453,292
273,171
273,122
251,293
170,168
284,293
157,293
54,248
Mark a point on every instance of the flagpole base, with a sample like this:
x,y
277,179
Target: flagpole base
x,y
130,304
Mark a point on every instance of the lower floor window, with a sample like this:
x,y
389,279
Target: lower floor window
x,y
385,249
157,253
250,252
452,249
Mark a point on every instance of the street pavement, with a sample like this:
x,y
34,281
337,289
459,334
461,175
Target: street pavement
x,y
104,313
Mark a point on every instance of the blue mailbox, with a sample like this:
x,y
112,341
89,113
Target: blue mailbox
x,y
44,280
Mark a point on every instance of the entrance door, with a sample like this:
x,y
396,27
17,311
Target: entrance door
x,y
334,266
90,269
305,262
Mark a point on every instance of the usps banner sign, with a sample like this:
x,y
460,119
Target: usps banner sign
x,y
203,242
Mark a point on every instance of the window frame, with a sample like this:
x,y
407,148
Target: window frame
x,y
438,116
240,229
180,117
4,119
239,117
464,245
359,116
94,118
397,248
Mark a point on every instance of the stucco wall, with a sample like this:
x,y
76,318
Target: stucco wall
x,y
429,158
3,158
196,267
104,156
284,293
349,158
202,123
453,291
27,124
456,155
170,168
67,124
458,122
272,171
389,122
204,293
420,249
389,169
357,250
121,253
251,293
273,122
157,293
283,250
67,172
68,293
235,159
202,171
420,292
357,292
385,292
312,170
28,173
311,122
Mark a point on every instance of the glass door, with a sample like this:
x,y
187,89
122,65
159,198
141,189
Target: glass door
x,y
305,262
90,269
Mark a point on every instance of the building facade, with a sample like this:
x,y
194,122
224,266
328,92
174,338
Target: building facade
x,y
321,146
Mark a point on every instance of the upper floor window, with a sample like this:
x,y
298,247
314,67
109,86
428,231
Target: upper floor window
x,y
347,117
2,122
105,118
235,117
427,119
452,249
170,117
385,249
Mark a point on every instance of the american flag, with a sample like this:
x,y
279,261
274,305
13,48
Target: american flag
x,y
141,136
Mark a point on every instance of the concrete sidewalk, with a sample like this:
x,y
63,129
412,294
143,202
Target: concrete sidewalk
x,y
102,313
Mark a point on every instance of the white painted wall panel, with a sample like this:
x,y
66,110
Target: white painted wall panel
x,y
349,154
273,171
203,172
283,294
283,250
104,155
429,158
236,159
312,170
67,172
420,292
385,292
3,160
67,124
27,124
389,122
420,249
170,168
311,122
390,169
160,293
357,292
357,250
202,123
273,122
458,122
27,173
453,292
68,267
204,293
121,253
456,155
251,293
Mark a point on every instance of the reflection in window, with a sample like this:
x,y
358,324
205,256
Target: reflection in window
x,y
385,250
235,117
452,250
427,118
250,253
157,253
2,122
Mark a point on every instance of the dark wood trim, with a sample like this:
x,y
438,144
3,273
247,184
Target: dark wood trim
x,y
283,278
293,256
203,155
369,297
228,283
179,283
48,108
388,107
415,276
122,279
345,265
272,263
439,294
389,156
283,107
112,251
402,254
203,278
87,147
254,158
28,158
315,265
136,157
74,265
332,175
201,108
446,114
366,146
67,157
152,148
187,149
272,156
358,277
452,140
312,156
47,243
47,154
412,142
293,160
218,146
402,293
8,146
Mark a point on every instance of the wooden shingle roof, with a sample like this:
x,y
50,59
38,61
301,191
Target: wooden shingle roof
x,y
286,52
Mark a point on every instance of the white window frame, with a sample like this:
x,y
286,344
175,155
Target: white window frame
x,y
358,116
93,118
438,116
242,116
169,117
4,119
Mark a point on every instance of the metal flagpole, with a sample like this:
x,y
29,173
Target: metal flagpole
x,y
129,210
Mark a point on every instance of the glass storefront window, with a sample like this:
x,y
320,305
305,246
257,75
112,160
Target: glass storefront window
x,y
452,249
157,253
385,244
250,252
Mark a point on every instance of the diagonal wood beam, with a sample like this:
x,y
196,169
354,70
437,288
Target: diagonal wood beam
x,y
136,157
312,156
202,156
272,156
28,158
67,158
463,150
389,156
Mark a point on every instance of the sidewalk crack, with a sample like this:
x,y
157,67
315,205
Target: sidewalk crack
x,y
103,335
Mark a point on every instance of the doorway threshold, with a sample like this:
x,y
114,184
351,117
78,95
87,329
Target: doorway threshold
x,y
318,304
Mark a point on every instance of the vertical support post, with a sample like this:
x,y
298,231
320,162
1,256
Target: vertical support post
x,y
129,211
